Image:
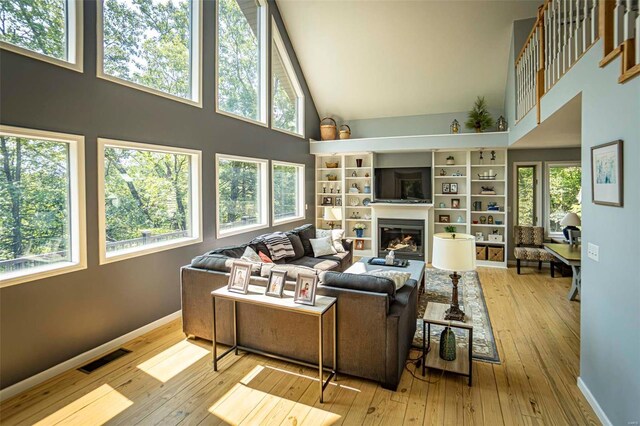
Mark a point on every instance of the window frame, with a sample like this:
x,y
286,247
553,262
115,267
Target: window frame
x,y
74,29
196,58
196,201
537,200
264,103
77,208
264,195
281,48
301,195
547,193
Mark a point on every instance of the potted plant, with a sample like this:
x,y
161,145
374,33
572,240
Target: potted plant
x,y
359,229
451,160
450,228
479,117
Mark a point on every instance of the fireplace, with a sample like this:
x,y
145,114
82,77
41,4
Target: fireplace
x,y
405,237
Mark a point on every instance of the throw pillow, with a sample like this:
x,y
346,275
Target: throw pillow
x,y
264,258
398,278
336,238
322,246
298,248
251,256
292,270
306,232
279,245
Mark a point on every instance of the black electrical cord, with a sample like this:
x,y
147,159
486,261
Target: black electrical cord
x,y
418,363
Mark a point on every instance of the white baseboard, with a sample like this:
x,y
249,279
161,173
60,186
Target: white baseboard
x,y
593,403
77,361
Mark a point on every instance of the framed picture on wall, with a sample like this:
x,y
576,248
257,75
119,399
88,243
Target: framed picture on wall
x,y
607,174
454,188
444,218
446,188
455,203
327,201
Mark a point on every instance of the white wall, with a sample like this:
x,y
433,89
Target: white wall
x,y
610,298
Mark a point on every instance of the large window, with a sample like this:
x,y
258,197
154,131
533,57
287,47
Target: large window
x,y
287,99
288,192
149,198
563,181
50,30
153,45
241,196
42,224
241,60
527,194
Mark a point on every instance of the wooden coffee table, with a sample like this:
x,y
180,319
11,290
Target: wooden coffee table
x,y
434,314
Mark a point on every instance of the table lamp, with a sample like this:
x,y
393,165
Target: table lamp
x,y
332,214
455,253
570,221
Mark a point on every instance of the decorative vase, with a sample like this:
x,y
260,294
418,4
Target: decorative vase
x,y
358,162
448,344
359,233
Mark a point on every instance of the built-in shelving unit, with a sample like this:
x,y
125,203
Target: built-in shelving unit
x,y
337,194
472,216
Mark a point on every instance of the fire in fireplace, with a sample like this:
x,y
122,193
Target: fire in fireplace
x,y
404,237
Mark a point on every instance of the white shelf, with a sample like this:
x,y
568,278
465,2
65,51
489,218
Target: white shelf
x,y
337,169
451,165
485,242
450,177
450,223
358,168
451,195
486,212
359,238
450,209
357,220
483,195
487,180
486,225
488,165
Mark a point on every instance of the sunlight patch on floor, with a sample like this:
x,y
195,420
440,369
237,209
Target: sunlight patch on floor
x,y
95,408
183,355
314,378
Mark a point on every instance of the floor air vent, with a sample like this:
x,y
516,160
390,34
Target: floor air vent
x,y
112,356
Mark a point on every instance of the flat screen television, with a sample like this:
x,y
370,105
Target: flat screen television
x,y
403,183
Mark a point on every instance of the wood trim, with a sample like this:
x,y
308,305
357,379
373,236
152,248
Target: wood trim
x,y
628,54
610,56
629,74
605,24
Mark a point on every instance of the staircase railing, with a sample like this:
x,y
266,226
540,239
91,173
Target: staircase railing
x,y
563,32
621,27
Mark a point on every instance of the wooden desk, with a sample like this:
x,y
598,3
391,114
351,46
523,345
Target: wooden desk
x,y
569,255
256,296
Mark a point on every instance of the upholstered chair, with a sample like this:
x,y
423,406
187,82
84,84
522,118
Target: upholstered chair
x,y
528,241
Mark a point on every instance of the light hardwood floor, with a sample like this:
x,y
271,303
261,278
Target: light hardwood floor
x,y
169,380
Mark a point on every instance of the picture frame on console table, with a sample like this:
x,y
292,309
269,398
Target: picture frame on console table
x,y
275,285
239,277
305,292
607,178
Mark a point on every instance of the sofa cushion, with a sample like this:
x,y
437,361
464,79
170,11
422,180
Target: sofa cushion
x,y
306,232
359,282
336,235
315,263
264,258
220,263
250,255
338,257
258,245
230,251
296,242
322,246
292,270
404,294
399,278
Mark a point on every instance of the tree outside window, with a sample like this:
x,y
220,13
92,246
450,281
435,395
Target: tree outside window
x,y
288,195
526,196
564,182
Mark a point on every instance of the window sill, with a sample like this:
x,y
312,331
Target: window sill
x,y
40,273
288,132
145,250
240,230
239,117
288,220
74,66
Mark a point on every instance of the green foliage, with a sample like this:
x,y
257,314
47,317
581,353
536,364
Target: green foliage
x,y
149,43
238,61
34,198
526,194
285,191
285,101
145,191
564,186
37,25
238,189
479,117
450,228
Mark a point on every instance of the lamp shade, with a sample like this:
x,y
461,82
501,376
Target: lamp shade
x,y
454,252
332,213
570,219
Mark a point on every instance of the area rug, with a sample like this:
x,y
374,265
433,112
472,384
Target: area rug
x,y
471,299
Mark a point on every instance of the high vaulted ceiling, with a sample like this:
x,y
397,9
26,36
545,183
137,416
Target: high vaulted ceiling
x,y
370,59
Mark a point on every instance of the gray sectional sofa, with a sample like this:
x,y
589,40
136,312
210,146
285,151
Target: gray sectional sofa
x,y
375,326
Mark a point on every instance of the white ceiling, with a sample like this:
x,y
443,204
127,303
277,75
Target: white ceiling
x,y
370,59
561,130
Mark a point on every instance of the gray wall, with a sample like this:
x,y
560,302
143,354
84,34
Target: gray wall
x,y
542,155
49,321
429,124
413,159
